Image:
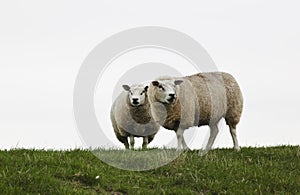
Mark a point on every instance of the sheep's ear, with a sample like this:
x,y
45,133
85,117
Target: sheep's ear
x,y
155,83
178,82
146,88
126,87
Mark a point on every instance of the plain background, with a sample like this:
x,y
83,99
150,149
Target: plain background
x,y
43,43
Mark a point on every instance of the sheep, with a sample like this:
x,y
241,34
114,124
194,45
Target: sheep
x,y
131,117
178,103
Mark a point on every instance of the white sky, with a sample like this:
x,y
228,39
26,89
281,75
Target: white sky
x,y
43,43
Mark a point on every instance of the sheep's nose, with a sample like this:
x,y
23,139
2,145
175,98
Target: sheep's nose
x,y
172,95
135,100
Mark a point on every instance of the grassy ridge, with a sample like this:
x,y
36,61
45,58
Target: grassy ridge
x,y
252,171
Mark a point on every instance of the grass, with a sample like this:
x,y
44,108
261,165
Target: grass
x,y
273,170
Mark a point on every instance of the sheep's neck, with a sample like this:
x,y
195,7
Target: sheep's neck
x,y
173,116
141,114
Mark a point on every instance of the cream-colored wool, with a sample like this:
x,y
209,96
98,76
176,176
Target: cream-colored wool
x,y
201,99
133,121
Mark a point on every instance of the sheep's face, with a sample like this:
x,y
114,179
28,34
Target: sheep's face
x,y
136,94
165,91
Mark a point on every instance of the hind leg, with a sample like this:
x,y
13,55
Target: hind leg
x,y
234,138
213,134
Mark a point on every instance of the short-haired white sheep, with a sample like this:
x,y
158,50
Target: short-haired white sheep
x,y
178,103
131,116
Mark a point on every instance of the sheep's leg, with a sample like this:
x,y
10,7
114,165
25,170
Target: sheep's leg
x,y
184,145
180,139
234,138
213,134
132,142
126,143
145,142
124,140
150,138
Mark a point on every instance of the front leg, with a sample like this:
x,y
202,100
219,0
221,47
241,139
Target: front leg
x,y
145,142
184,145
180,140
125,141
131,141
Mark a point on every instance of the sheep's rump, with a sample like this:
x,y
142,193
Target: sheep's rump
x,y
218,95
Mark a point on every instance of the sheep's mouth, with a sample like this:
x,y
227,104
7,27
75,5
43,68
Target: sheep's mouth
x,y
135,104
170,100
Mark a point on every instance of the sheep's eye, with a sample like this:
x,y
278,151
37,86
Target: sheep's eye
x,y
141,93
131,93
161,87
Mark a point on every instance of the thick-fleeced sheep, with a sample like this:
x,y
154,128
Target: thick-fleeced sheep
x,y
178,103
131,116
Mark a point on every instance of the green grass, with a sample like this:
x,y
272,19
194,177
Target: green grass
x,y
273,170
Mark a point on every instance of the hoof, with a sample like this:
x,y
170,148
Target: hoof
x,y
203,152
237,149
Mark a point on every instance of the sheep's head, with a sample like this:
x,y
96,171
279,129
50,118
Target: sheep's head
x,y
136,94
166,90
